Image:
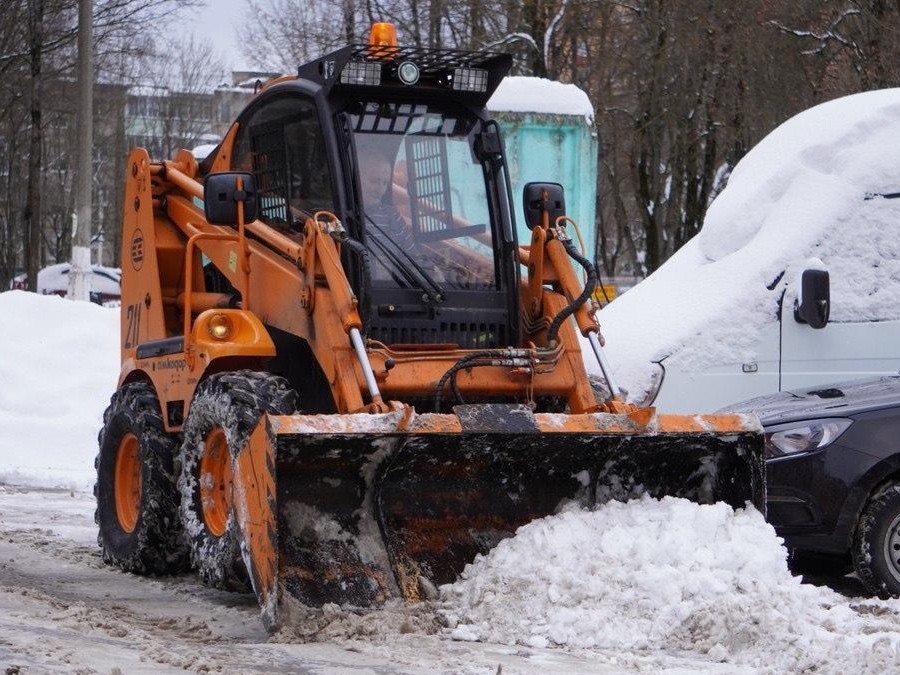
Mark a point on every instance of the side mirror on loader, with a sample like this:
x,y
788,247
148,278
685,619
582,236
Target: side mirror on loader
x,y
813,304
221,196
539,196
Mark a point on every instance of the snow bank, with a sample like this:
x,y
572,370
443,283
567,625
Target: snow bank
x,y
667,575
59,361
801,193
539,95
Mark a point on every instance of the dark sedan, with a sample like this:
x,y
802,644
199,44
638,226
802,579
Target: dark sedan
x,y
833,463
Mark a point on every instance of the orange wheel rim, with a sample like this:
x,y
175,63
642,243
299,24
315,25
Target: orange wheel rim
x,y
215,482
128,482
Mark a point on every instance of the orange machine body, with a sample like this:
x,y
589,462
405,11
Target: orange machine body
x,y
295,283
295,370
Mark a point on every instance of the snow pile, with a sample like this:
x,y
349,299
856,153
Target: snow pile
x,y
666,575
804,191
59,361
539,95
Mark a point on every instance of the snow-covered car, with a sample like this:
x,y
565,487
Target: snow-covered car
x,y
833,477
721,321
54,280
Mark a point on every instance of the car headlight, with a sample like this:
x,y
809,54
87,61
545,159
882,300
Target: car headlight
x,y
657,375
801,437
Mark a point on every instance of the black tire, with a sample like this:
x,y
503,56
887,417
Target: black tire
x,y
876,543
232,402
155,543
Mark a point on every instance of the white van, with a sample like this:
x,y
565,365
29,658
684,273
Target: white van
x,y
794,280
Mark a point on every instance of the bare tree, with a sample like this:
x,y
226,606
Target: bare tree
x,y
37,54
176,94
284,33
682,89
859,40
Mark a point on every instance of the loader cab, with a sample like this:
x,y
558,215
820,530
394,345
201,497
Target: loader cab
x,y
416,174
433,215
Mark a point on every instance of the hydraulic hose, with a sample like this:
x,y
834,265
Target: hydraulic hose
x,y
361,251
366,261
589,285
459,365
479,359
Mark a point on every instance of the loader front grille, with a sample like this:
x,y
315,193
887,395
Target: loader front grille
x,y
468,335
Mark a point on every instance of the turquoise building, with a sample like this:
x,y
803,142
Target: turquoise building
x,y
550,136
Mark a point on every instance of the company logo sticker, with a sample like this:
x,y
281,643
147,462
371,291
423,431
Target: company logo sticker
x,y
137,249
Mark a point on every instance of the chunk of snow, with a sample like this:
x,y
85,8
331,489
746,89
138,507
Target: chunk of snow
x,y
665,575
539,95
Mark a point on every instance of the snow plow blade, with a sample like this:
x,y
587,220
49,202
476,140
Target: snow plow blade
x,y
358,509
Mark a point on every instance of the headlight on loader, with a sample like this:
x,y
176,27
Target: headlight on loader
x,y
220,327
802,437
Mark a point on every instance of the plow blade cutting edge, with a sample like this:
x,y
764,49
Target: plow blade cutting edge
x,y
357,509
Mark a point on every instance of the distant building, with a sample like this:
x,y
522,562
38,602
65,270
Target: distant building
x,y
158,118
163,120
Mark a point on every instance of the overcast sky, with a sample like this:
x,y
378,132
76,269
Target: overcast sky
x,y
216,22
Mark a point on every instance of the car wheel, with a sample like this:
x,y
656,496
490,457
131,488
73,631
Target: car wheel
x,y
876,545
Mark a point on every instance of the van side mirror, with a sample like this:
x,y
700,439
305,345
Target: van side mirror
x,y
813,304
221,196
540,196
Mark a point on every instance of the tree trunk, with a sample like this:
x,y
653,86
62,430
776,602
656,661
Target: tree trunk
x,y
33,204
435,14
80,273
350,22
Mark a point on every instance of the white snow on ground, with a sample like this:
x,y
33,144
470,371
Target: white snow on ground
x,y
672,576
59,361
800,193
647,586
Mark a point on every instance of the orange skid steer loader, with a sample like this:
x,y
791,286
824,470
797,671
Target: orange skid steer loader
x,y
342,376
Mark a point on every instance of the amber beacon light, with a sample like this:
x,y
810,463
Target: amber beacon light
x,y
383,35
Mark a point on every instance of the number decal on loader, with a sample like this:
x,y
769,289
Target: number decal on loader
x,y
133,315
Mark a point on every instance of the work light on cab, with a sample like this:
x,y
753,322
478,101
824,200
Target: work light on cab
x,y
408,72
470,79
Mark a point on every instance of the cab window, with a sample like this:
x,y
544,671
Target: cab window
x,y
282,143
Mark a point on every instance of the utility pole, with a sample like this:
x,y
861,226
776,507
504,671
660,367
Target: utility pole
x,y
80,274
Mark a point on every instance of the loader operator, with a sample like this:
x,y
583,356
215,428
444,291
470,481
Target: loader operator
x,y
385,226
376,179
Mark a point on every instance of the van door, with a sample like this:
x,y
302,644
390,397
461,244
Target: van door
x,y
686,389
842,350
